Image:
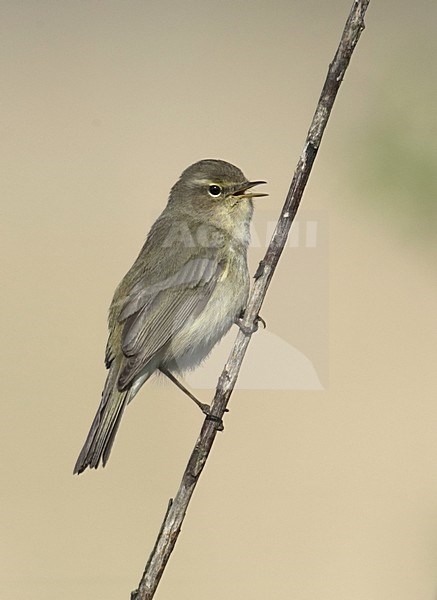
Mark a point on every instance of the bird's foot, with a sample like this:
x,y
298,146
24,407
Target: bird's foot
x,y
217,420
249,329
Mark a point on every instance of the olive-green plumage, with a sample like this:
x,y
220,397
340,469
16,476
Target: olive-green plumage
x,y
188,285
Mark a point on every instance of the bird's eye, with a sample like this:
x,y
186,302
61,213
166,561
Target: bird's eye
x,y
214,190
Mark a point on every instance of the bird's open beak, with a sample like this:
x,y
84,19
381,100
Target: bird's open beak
x,y
241,192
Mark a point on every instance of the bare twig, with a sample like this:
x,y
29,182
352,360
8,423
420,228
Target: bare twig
x,y
176,511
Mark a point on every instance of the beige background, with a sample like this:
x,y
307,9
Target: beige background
x,y
312,495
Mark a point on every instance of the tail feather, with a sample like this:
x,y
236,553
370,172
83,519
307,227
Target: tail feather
x,y
112,432
101,436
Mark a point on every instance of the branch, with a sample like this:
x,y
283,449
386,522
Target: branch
x,y
174,517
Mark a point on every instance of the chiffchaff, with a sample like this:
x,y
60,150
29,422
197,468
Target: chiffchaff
x,y
188,285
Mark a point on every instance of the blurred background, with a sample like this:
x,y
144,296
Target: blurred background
x,y
323,487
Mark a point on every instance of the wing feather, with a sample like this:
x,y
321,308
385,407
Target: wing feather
x,y
191,274
156,313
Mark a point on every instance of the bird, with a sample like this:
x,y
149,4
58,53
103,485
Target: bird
x,y
188,285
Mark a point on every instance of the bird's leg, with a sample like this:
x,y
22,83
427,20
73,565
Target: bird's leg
x,y
205,408
251,329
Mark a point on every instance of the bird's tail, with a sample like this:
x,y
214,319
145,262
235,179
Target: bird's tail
x,y
101,436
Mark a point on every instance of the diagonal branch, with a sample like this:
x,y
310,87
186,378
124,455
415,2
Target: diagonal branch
x,y
174,517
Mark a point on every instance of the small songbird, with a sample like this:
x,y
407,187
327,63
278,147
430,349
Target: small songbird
x,y
189,284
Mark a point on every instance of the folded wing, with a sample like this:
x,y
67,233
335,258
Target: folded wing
x,y
153,314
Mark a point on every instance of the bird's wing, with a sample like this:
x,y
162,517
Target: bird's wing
x,y
152,314
194,272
